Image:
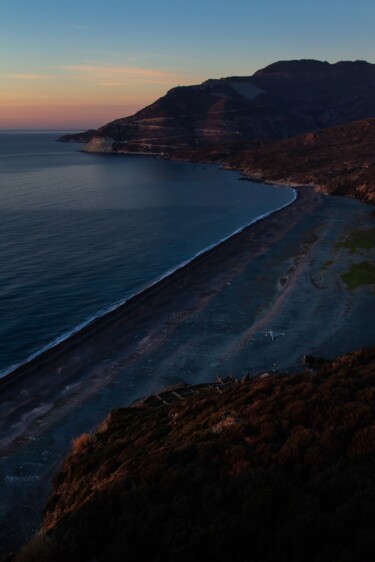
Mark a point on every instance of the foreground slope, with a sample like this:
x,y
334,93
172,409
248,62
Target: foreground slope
x,y
283,100
279,468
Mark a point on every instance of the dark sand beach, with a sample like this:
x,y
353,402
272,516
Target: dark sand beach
x,y
209,318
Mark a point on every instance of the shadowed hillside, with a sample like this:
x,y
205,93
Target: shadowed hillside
x,y
280,468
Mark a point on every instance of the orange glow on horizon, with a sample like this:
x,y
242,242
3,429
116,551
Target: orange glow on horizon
x,y
56,116
80,96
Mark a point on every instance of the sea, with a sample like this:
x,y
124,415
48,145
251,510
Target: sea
x,y
81,233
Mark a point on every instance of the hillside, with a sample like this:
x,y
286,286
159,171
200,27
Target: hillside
x,y
285,99
278,468
338,160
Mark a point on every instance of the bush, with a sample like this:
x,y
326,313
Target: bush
x,y
82,442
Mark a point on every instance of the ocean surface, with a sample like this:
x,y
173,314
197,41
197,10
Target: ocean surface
x,y
81,233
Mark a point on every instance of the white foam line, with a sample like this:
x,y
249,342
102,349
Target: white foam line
x,y
120,303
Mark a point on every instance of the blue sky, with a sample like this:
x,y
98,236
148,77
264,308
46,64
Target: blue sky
x,y
81,63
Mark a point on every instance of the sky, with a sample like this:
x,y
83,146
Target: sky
x,y
77,64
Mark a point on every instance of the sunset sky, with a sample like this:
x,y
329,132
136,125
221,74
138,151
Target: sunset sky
x,y
77,64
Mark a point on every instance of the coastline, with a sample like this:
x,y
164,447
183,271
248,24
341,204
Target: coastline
x,y
68,343
208,318
41,365
101,314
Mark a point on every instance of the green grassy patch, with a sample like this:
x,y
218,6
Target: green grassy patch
x,y
359,274
326,265
359,239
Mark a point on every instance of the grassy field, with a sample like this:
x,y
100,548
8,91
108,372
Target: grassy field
x,y
359,239
359,274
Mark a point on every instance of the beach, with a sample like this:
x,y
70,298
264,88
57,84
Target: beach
x,y
212,317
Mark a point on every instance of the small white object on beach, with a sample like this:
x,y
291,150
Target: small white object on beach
x,y
273,334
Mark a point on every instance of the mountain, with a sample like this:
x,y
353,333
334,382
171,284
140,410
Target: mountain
x,y
283,100
279,468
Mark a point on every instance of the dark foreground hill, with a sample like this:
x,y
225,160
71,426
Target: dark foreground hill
x,y
285,99
280,468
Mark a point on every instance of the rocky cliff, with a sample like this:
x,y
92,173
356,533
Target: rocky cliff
x,y
274,469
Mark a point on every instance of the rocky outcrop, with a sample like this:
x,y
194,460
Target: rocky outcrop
x,y
99,144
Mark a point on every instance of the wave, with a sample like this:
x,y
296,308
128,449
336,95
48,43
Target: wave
x,y
101,313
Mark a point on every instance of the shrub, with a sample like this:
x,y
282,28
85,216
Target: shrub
x,y
82,442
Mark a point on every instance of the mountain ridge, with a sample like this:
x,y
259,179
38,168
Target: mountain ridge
x,y
285,99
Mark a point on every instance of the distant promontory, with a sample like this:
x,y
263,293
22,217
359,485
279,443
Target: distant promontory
x,y
219,120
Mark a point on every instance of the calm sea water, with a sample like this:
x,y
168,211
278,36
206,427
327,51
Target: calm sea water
x,y
79,233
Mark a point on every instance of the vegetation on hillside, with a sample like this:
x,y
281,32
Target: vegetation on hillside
x,y
359,274
339,160
280,468
359,239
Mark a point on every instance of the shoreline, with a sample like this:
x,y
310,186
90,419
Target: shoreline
x,y
61,372
41,372
220,164
101,314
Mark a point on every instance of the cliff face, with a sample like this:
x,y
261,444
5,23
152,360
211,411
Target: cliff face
x,y
283,100
279,468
